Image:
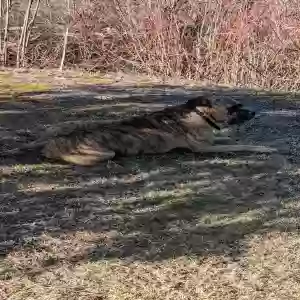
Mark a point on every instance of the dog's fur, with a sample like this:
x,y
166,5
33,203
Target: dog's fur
x,y
190,126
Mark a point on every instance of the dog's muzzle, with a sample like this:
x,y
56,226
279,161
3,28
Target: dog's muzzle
x,y
241,116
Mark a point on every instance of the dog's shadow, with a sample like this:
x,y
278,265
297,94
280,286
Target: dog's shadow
x,y
153,207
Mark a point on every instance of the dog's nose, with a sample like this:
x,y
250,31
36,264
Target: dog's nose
x,y
241,117
251,115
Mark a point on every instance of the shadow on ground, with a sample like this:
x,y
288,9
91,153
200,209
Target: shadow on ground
x,y
152,207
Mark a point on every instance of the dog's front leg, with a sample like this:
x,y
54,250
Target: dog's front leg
x,y
202,148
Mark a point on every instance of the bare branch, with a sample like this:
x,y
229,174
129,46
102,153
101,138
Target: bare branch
x,y
66,35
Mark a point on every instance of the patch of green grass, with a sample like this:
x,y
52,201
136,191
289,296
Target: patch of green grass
x,y
97,80
144,83
38,168
30,87
10,86
14,89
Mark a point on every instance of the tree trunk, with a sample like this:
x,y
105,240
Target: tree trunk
x,y
32,21
22,40
66,36
5,38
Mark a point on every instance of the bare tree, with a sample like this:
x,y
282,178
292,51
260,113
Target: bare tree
x,y
5,38
1,29
69,3
22,38
4,7
30,24
25,33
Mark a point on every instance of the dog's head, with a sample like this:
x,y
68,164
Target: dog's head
x,y
239,114
219,113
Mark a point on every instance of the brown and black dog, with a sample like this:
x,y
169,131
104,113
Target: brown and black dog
x,y
187,126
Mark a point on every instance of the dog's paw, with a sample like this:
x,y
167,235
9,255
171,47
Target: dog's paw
x,y
262,149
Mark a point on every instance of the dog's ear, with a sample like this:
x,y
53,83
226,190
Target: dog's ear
x,y
199,101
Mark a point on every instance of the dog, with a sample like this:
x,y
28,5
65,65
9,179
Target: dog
x,y
188,126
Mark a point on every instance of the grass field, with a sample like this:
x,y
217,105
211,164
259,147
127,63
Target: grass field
x,y
177,226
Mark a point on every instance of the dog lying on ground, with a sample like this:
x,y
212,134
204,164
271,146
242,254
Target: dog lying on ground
x,y
187,126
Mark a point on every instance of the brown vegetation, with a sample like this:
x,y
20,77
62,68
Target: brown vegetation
x,y
245,42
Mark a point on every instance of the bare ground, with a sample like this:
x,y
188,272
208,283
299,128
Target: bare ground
x,y
176,226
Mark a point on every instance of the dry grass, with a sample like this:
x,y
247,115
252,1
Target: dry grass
x,y
257,275
186,263
165,227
